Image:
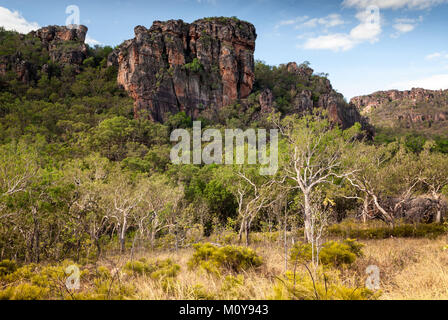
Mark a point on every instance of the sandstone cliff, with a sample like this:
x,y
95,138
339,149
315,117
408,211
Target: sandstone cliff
x,y
175,66
65,45
418,109
61,45
309,91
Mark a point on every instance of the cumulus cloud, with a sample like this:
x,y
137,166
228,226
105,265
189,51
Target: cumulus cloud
x,y
393,4
368,29
13,20
435,82
405,25
335,42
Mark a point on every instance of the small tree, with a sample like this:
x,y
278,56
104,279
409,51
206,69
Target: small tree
x,y
313,157
121,196
434,175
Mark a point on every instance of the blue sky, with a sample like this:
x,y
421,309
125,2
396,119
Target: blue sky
x,y
365,45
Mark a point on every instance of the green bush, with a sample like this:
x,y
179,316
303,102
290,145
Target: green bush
x,y
25,291
7,267
305,289
228,258
194,66
332,253
351,229
159,269
336,254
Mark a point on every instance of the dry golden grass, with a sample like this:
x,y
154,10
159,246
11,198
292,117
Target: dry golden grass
x,y
410,269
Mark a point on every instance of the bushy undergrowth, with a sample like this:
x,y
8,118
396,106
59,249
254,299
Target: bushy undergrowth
x,y
33,282
293,287
350,229
229,258
7,267
332,253
159,269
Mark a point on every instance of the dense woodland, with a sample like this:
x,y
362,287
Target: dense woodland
x,y
81,178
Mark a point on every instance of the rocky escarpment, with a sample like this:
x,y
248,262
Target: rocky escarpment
x,y
58,44
175,66
417,108
309,91
65,45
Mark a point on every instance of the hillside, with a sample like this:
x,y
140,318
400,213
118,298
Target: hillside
x,y
417,110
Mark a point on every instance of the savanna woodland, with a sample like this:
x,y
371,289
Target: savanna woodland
x,y
86,178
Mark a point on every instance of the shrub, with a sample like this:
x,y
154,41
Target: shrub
x,y
159,269
228,258
336,254
332,253
306,289
351,229
194,66
25,291
7,267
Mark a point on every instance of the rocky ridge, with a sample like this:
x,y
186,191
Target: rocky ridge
x,y
64,45
175,66
409,109
317,92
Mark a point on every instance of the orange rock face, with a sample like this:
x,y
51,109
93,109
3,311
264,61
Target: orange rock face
x,y
410,108
64,45
370,102
175,66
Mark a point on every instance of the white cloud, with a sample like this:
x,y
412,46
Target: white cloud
x,y
433,56
405,25
393,4
437,56
13,20
335,42
435,82
290,22
368,29
92,42
330,21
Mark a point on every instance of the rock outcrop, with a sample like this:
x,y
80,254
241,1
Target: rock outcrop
x,y
367,104
175,66
64,45
423,209
417,109
317,92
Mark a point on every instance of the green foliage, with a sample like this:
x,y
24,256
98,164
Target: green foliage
x,y
159,269
195,66
25,291
228,258
356,230
304,288
332,253
7,267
